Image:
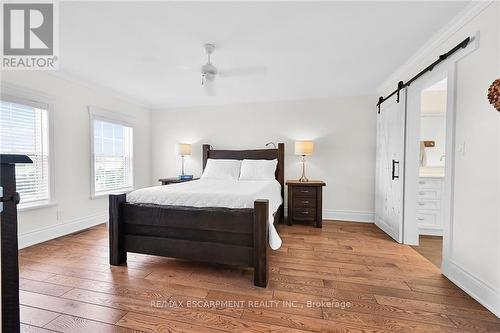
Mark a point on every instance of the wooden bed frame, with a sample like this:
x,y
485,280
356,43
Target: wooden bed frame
x,y
214,235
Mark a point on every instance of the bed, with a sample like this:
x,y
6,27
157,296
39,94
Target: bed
x,y
197,227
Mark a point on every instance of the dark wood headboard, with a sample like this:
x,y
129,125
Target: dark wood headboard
x,y
252,154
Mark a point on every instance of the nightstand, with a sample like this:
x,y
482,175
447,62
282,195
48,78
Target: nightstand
x,y
174,180
305,201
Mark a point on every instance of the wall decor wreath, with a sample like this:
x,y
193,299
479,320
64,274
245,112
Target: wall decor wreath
x,y
494,94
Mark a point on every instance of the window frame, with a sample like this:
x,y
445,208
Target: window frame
x,y
35,99
96,113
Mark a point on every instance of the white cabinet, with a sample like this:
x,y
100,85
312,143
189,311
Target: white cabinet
x,y
429,205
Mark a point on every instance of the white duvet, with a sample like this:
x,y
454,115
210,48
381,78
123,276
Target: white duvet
x,y
216,193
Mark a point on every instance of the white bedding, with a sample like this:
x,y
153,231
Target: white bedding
x,y
216,193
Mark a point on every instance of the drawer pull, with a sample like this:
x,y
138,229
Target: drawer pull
x,y
304,191
421,204
305,212
305,201
421,182
421,193
420,218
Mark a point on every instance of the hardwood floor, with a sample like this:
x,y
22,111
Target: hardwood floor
x,y
431,247
346,277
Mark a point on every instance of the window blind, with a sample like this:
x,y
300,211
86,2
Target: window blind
x,y
24,130
112,156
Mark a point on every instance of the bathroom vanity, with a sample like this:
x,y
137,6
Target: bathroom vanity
x,y
430,201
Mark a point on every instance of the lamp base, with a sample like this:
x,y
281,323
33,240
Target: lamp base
x,y
303,179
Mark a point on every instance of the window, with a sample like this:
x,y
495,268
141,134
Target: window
x,y
24,129
112,156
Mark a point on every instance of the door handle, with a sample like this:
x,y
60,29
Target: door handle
x,y
394,163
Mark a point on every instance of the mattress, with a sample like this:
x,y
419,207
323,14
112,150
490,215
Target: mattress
x,y
216,193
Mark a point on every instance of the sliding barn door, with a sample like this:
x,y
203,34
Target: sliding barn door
x,y
389,178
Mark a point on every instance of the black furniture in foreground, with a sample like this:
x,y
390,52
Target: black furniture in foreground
x,y
214,235
9,247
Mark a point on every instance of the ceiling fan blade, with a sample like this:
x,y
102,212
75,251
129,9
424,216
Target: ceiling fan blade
x,y
243,71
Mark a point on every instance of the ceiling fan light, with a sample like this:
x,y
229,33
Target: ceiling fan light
x,y
207,77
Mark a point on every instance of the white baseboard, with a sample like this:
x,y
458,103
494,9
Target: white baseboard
x,y
62,229
430,231
476,288
345,215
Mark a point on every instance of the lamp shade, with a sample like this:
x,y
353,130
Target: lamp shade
x,y
183,149
305,148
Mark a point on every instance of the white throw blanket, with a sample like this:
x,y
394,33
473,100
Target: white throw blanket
x,y
216,193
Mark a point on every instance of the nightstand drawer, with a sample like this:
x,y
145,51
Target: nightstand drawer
x,y
304,191
304,214
305,203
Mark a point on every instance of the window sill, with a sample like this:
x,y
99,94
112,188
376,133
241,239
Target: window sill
x,y
105,194
37,206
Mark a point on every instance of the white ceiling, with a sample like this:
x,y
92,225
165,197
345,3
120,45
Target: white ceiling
x,y
152,51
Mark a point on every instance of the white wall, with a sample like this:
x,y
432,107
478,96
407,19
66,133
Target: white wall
x,y
433,101
73,209
433,128
475,235
343,131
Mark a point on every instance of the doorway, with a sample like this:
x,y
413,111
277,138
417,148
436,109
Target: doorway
x,y
431,175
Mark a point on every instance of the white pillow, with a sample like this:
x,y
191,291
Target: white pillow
x,y
258,169
222,169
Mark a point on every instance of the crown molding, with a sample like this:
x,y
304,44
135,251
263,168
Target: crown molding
x,y
465,16
73,78
180,105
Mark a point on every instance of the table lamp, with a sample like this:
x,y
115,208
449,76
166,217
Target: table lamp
x,y
184,149
303,149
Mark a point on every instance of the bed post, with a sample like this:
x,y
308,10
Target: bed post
x,y
281,178
260,234
204,150
117,253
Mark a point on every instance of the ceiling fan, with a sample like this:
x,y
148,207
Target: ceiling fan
x,y
209,71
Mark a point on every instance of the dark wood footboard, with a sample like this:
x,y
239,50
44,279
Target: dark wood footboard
x,y
214,235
